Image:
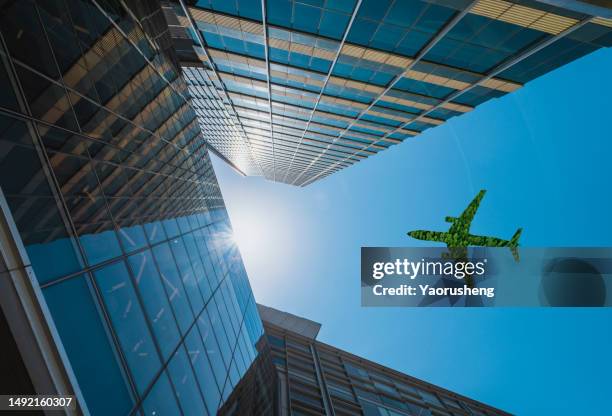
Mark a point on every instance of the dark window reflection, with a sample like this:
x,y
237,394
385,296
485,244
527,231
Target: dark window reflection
x,y
7,97
23,33
47,100
34,208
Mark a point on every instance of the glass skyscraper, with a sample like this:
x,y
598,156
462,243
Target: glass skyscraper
x,y
318,379
310,87
120,282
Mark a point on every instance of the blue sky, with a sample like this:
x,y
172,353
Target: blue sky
x,y
543,154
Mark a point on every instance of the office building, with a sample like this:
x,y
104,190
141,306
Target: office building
x,y
119,283
311,87
314,378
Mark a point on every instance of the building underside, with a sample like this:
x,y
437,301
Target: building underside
x,y
297,90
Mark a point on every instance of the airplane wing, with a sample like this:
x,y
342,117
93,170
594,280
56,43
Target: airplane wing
x,y
462,224
428,235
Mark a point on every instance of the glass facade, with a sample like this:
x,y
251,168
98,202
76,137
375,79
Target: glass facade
x,y
107,177
311,87
318,379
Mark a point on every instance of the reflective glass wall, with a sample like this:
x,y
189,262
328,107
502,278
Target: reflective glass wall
x,y
107,176
315,86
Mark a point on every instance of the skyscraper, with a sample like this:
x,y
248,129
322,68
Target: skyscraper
x,y
318,379
310,87
119,283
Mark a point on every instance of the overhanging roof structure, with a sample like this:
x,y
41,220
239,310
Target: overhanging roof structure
x,y
304,88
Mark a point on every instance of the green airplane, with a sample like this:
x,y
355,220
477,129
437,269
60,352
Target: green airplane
x,y
458,237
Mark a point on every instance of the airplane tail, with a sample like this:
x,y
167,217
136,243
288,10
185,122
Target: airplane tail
x,y
514,242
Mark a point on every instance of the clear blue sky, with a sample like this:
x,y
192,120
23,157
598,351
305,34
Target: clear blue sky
x,y
543,153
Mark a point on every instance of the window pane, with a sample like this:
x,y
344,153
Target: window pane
x,y
212,349
171,227
211,274
174,286
155,232
430,398
185,384
129,323
100,246
23,33
84,336
198,268
161,401
187,276
155,301
132,237
202,369
220,331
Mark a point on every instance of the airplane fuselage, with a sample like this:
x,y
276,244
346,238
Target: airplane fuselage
x,y
458,239
458,236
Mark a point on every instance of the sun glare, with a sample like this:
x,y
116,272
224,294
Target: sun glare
x,y
261,238
251,235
